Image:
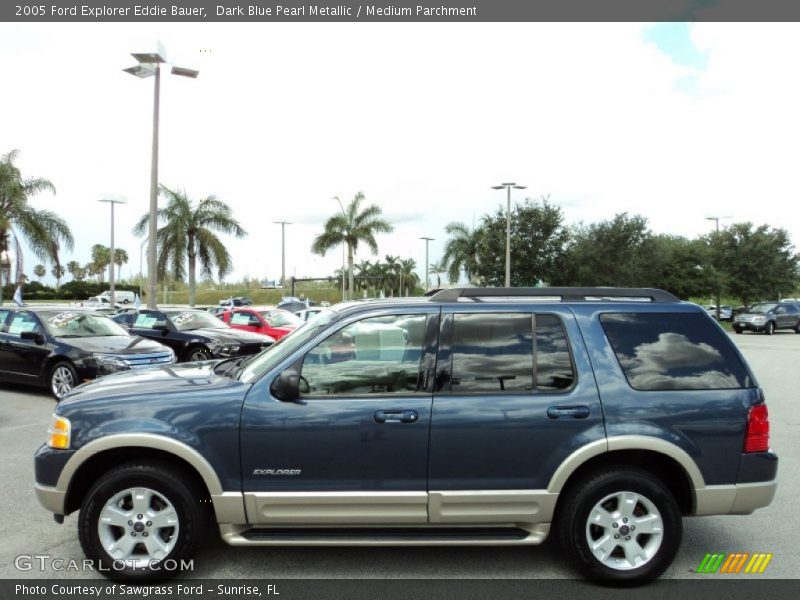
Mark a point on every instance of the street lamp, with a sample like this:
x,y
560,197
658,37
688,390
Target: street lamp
x,y
141,248
283,225
717,298
150,66
427,264
112,202
508,187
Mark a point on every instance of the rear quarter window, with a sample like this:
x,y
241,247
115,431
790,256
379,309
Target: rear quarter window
x,y
674,351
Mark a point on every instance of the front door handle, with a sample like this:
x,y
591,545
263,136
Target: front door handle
x,y
395,416
576,412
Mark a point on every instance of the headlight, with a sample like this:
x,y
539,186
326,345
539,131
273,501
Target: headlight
x,y
759,319
59,433
110,363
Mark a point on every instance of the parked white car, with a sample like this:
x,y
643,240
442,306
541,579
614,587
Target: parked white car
x,y
99,302
121,296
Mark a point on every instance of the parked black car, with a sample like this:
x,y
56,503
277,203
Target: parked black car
x,y
237,301
194,334
768,317
63,347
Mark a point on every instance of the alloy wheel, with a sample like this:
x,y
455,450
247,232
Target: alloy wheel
x,y
62,381
624,530
138,526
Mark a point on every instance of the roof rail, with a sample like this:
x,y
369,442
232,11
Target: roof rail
x,y
571,294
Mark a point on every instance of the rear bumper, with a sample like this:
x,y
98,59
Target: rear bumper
x,y
737,499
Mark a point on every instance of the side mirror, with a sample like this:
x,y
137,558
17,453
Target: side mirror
x,y
254,322
286,386
32,336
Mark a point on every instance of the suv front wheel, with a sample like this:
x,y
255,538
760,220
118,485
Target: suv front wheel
x,y
620,523
142,521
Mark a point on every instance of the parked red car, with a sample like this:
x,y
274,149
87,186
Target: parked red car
x,y
275,323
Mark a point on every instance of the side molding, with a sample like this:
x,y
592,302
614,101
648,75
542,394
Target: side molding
x,y
141,440
228,506
625,442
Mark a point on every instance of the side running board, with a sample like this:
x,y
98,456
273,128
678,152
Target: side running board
x,y
382,536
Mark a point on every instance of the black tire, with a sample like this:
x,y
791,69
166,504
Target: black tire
x,y
737,329
177,487
578,502
769,328
61,371
797,328
198,353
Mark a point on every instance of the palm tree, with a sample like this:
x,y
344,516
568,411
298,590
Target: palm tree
x,y
351,227
393,273
459,251
407,275
189,235
39,271
73,268
437,268
101,258
363,272
58,272
120,258
43,230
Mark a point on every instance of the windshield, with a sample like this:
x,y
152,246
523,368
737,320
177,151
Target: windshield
x,y
195,319
285,346
79,324
762,308
281,318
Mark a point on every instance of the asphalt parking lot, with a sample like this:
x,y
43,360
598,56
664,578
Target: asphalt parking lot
x,y
25,528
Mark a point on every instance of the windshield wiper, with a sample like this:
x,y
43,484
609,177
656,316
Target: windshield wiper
x,y
229,364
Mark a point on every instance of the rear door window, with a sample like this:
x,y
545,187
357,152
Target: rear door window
x,y
509,352
676,351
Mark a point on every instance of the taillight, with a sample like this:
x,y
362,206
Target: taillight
x,y
757,437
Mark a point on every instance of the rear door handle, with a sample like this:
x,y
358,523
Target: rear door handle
x,y
576,412
395,416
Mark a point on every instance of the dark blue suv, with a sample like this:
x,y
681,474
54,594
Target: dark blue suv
x,y
477,416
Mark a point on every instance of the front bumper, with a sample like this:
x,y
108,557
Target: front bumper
x,y
48,465
51,498
748,326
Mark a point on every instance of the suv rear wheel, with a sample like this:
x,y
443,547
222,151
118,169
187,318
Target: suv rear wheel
x,y
620,523
140,521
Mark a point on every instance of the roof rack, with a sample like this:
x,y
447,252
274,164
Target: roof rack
x,y
567,294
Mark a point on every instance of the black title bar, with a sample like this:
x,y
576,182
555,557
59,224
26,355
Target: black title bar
x,y
397,11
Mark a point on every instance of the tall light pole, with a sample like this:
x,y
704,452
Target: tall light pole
x,y
717,298
112,202
508,187
150,66
141,248
344,214
427,264
283,225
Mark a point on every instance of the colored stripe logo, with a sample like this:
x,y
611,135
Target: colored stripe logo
x,y
734,562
